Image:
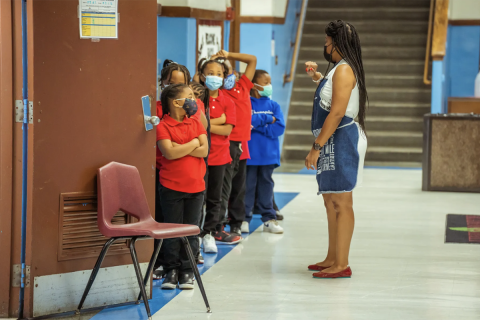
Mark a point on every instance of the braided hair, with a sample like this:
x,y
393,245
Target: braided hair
x,y
198,90
170,93
347,43
169,66
202,64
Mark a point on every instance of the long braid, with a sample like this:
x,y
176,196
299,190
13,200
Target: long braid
x,y
170,66
170,93
347,43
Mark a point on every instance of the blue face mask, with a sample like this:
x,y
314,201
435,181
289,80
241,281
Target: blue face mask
x,y
267,90
190,106
229,82
213,82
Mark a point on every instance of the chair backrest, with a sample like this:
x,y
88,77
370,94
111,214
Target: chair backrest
x,y
120,188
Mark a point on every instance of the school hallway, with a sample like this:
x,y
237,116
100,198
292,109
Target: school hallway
x,y
402,269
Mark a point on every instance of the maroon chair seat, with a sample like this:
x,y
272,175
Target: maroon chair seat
x,y
120,188
152,229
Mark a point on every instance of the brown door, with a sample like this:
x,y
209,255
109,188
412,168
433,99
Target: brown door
x,y
87,113
6,127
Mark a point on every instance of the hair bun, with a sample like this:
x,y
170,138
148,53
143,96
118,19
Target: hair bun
x,y
332,28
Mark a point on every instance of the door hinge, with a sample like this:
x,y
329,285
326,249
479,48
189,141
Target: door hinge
x,y
17,275
19,111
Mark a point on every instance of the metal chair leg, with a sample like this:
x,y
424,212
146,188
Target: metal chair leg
x,y
156,251
196,272
139,276
94,273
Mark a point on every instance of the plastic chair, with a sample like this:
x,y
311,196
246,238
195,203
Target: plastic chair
x,y
120,188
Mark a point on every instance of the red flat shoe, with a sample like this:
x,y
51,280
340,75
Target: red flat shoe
x,y
347,273
314,267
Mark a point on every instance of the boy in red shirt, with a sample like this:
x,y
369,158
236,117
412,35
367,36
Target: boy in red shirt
x,y
182,141
233,195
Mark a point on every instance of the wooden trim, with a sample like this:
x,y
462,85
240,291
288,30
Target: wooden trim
x,y
429,45
464,22
271,20
159,9
463,105
235,28
440,26
188,12
6,156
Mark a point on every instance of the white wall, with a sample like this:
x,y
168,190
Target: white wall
x,y
215,5
464,10
263,8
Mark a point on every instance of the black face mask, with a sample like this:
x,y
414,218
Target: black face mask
x,y
328,56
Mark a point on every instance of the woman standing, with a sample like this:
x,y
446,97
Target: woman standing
x,y
340,145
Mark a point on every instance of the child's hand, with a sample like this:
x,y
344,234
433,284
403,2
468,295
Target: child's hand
x,y
252,127
219,121
311,68
274,120
196,142
220,54
223,118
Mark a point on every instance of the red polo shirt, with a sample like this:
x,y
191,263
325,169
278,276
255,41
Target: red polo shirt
x,y
240,94
200,105
184,174
220,148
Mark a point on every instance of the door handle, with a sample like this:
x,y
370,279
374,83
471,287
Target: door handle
x,y
148,119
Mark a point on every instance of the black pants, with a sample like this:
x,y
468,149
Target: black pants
x,y
214,184
233,194
180,207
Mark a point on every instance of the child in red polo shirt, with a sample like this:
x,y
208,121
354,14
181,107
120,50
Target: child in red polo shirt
x,y
172,73
222,121
182,141
233,195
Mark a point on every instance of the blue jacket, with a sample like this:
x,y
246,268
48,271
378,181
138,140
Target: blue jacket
x,y
264,146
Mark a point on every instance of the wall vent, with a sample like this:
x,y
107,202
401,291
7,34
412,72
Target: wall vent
x,y
79,236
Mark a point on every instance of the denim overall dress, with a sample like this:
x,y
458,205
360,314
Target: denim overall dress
x,y
340,165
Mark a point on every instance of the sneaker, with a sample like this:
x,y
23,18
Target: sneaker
x,y
236,231
209,245
171,280
225,238
245,227
200,259
279,216
272,227
185,281
158,273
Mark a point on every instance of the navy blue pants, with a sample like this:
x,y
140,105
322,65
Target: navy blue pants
x,y
260,188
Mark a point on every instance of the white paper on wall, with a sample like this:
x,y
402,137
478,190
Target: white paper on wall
x,y
209,40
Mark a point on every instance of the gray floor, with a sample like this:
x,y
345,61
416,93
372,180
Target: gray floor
x,y
402,269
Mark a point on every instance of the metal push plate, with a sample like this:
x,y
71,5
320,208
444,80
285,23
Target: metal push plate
x,y
147,114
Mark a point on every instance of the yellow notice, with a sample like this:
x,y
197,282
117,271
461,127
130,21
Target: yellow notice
x,y
99,19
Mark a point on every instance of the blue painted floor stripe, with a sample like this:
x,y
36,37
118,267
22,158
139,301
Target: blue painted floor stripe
x,y
162,297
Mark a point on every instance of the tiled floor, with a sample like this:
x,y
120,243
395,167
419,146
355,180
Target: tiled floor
x,y
402,269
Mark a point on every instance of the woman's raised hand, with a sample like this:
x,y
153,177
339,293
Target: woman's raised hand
x,y
311,68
